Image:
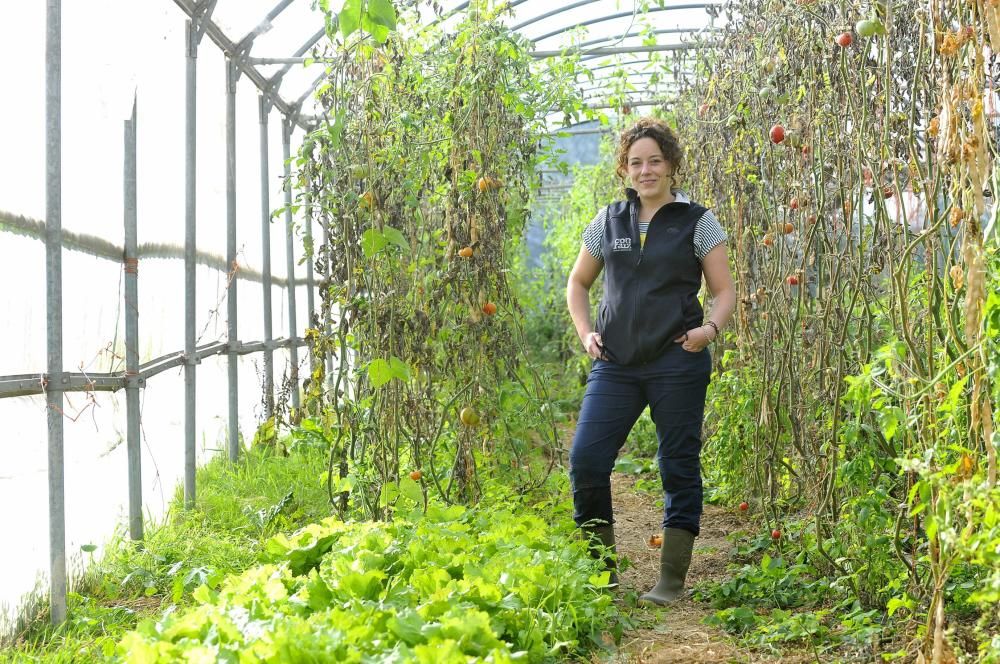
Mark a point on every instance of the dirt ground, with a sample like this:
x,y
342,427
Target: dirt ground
x,y
676,633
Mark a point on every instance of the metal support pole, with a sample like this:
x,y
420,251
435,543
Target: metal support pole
x,y
53,296
327,307
293,351
310,271
232,75
190,280
265,268
132,333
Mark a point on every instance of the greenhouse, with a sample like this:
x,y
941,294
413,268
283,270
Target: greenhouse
x,y
500,330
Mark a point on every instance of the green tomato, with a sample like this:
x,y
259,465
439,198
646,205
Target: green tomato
x,y
869,27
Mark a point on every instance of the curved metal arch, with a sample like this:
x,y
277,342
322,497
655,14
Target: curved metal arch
x,y
590,54
611,17
631,62
602,82
280,74
611,76
560,10
637,103
625,94
634,103
456,9
662,31
244,45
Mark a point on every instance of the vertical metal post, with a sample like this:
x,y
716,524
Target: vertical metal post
x,y
190,220
293,350
310,272
132,333
53,296
232,74
327,307
265,214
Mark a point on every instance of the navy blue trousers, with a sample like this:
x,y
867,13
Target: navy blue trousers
x,y
673,387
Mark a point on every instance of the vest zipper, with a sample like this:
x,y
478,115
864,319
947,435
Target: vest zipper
x,y
634,218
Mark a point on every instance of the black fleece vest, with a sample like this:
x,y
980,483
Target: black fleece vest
x,y
650,292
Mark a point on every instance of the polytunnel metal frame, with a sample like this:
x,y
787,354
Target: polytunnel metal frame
x,y
239,62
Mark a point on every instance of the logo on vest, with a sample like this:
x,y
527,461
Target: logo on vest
x,y
623,244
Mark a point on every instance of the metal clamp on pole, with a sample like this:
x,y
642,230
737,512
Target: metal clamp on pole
x,y
199,22
133,379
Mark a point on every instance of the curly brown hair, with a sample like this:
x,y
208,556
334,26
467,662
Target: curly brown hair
x,y
659,131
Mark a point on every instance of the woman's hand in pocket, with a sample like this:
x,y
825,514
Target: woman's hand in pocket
x,y
695,340
594,346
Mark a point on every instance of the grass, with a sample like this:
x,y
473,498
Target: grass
x,y
239,506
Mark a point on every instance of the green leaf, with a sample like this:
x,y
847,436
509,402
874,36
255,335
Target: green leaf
x,y
379,19
389,493
399,369
88,548
407,626
896,603
318,593
888,422
381,12
396,237
931,528
350,17
629,465
379,372
341,484
372,242
600,580
378,32
411,490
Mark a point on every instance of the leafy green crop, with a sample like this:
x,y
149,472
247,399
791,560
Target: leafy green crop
x,y
453,585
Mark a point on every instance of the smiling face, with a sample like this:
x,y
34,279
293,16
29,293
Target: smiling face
x,y
649,170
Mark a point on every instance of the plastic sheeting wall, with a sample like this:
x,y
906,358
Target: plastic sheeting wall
x,y
112,51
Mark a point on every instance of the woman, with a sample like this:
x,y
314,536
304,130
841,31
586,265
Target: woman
x,y
649,346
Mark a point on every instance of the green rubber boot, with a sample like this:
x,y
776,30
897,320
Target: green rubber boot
x,y
602,544
675,558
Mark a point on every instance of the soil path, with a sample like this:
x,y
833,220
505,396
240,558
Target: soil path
x,y
676,633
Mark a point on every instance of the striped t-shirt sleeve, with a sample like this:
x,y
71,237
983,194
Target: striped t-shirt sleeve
x,y
708,234
594,233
